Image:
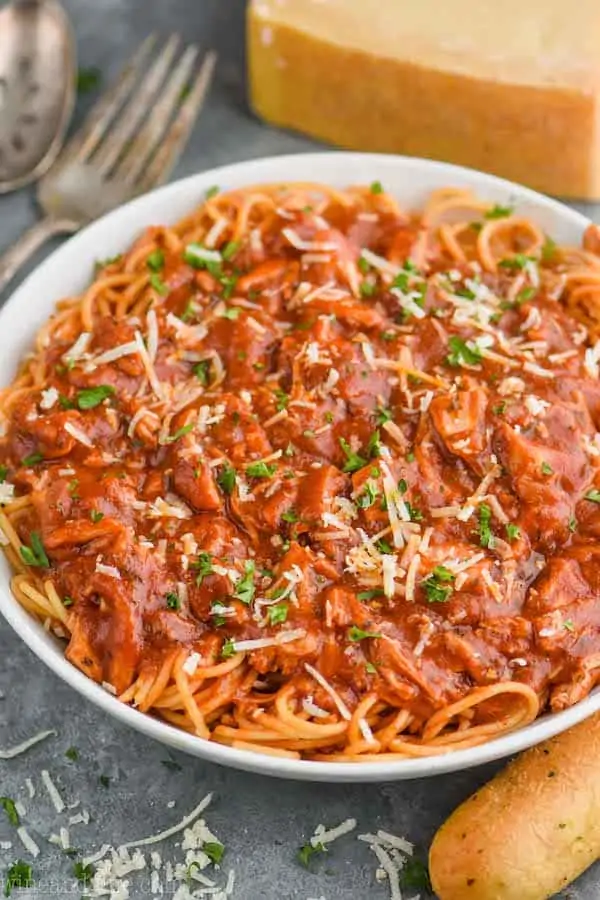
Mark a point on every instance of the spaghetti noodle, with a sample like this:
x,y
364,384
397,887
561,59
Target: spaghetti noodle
x,y
311,475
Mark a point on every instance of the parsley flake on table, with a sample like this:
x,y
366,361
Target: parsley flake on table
x,y
10,809
308,851
19,875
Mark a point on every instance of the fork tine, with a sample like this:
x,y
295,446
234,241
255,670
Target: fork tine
x,y
147,140
179,132
86,139
136,109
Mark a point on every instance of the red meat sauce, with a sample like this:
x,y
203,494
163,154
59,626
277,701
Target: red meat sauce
x,y
141,583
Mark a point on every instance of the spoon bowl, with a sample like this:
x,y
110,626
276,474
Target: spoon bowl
x,y
37,88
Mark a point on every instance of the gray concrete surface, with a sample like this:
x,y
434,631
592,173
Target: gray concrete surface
x,y
261,821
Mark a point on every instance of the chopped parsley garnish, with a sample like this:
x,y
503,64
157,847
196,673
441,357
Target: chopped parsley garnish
x,y
158,284
383,415
33,459
228,649
368,496
593,496
548,249
226,479
415,514
212,192
290,516
401,281
463,353
181,432
572,524
498,212
524,295
230,249
363,265
403,485
376,187
232,312
260,470
202,371
518,261
281,399
513,532
19,875
10,809
367,289
245,587
369,595
3,474
89,398
568,624
486,538
109,261
88,79
546,468
374,445
67,601
96,516
65,402
307,851
277,614
203,566
173,601
383,546
72,753
36,554
216,610
83,873
354,461
500,408
156,260
214,850
357,634
437,585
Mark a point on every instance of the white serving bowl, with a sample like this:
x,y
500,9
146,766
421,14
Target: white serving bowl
x,y
70,269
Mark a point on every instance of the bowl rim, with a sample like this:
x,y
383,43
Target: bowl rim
x,y
47,649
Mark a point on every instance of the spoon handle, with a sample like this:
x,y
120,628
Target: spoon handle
x,y
24,248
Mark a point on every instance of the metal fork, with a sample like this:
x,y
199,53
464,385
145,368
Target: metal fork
x,y
129,143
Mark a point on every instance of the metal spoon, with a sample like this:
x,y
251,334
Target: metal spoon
x,y
37,88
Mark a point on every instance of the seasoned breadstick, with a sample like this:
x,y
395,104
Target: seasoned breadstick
x,y
531,830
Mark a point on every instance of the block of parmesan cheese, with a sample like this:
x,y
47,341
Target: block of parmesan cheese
x,y
512,88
